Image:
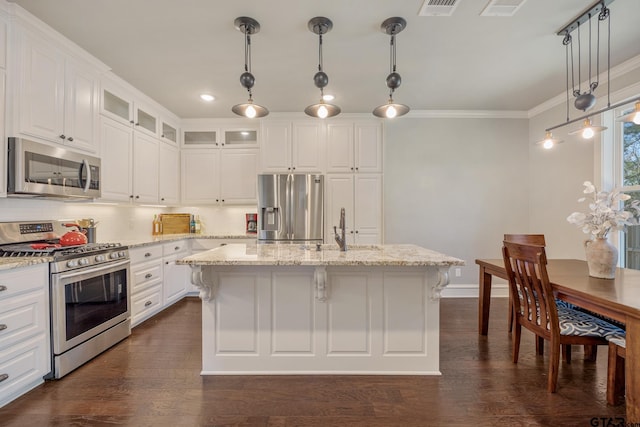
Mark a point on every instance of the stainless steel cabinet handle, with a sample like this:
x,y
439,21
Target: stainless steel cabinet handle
x,y
3,288
3,327
63,136
177,248
148,254
70,139
3,377
148,276
148,303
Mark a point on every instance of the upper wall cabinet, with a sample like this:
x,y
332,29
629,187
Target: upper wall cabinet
x,y
118,104
292,146
354,146
219,136
57,98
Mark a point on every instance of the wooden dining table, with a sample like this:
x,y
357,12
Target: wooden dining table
x,y
617,298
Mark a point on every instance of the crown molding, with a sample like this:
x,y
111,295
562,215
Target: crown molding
x,y
467,114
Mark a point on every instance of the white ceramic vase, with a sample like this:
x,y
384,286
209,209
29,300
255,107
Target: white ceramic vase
x,y
602,258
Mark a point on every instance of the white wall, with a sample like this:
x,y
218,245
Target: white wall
x,y
456,185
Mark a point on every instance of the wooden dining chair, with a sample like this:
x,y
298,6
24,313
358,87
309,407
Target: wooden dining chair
x,y
536,309
615,369
527,239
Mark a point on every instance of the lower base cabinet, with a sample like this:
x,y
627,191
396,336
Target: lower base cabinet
x,y
25,356
157,281
146,289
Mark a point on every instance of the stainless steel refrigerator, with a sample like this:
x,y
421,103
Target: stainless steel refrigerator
x,y
290,208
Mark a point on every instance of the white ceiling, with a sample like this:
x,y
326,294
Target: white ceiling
x,y
173,50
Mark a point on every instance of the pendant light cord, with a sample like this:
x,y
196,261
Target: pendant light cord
x,y
247,55
392,60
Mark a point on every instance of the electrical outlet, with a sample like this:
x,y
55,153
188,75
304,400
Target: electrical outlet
x,y
458,272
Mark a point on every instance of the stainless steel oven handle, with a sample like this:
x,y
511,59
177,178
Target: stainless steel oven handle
x,y
84,271
87,185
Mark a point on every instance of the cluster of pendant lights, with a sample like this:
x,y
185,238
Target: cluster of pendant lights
x,y
320,26
585,100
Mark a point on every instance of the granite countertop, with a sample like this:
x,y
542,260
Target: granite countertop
x,y
11,262
293,254
153,240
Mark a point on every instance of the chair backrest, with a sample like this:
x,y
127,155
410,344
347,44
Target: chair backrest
x,y
527,239
531,292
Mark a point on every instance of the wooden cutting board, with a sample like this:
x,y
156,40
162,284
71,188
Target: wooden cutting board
x,y
175,223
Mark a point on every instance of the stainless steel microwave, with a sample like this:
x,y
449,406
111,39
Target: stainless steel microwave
x,y
36,169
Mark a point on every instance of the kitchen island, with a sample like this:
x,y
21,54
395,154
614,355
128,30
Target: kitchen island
x,y
307,309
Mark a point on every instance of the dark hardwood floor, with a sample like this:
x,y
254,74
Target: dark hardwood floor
x,y
152,379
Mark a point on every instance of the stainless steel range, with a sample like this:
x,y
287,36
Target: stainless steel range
x,y
89,290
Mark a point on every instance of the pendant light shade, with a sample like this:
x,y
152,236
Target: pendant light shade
x,y
321,25
249,109
392,26
588,130
633,116
549,141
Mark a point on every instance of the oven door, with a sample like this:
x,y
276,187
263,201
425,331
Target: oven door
x,y
87,302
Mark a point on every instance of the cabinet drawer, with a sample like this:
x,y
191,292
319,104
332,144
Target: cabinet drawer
x,y
23,279
23,365
23,316
146,275
175,247
145,253
146,304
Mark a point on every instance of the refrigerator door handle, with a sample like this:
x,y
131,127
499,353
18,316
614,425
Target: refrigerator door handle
x,y
289,202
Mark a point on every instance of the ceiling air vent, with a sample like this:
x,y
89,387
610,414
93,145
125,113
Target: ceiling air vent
x,y
438,7
502,7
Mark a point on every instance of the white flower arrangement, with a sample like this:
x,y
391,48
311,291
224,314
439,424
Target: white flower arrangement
x,y
605,212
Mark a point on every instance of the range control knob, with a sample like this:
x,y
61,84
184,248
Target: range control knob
x,y
72,263
83,261
122,254
100,258
113,255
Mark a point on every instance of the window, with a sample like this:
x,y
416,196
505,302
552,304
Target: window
x,y
628,141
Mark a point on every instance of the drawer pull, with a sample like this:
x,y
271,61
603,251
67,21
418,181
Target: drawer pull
x,y
148,303
177,248
148,276
3,288
147,255
3,327
3,377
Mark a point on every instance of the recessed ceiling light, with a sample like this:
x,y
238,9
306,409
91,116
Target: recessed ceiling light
x,y
207,97
328,97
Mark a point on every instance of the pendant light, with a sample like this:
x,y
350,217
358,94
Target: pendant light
x,y
588,130
321,25
549,141
392,26
633,116
248,26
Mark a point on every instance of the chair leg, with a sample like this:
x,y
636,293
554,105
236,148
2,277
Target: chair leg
x,y
511,313
591,352
554,364
539,345
566,353
615,375
517,333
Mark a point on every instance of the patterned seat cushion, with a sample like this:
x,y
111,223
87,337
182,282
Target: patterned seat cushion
x,y
579,323
619,340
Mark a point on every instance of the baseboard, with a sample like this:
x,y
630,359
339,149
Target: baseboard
x,y
499,290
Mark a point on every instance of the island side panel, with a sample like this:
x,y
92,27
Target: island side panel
x,y
268,320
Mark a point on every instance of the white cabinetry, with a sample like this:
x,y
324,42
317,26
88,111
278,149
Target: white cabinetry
x,y
169,175
57,97
354,146
361,196
292,146
24,330
118,104
147,297
176,278
3,80
219,176
130,164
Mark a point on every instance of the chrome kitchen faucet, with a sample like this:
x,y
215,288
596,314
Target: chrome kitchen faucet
x,y
341,239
